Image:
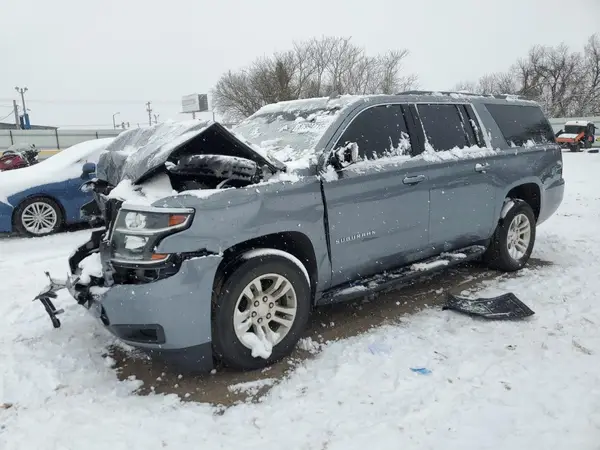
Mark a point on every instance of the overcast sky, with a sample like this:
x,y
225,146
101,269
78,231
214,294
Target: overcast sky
x,y
84,60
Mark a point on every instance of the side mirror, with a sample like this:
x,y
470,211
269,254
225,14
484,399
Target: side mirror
x,y
88,168
344,156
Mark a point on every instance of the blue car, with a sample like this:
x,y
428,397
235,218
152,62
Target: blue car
x,y
43,198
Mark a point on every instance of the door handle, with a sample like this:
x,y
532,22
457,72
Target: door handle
x,y
414,180
481,167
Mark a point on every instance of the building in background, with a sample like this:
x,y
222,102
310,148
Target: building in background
x,y
12,126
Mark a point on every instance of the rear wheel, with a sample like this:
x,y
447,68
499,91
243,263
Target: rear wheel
x,y
513,240
38,216
260,312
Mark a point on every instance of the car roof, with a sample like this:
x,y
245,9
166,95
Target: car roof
x,y
577,123
448,97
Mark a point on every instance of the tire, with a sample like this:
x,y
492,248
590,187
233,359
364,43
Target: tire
x,y
25,222
227,344
500,254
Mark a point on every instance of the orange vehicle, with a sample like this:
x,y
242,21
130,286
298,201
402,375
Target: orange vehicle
x,y
577,135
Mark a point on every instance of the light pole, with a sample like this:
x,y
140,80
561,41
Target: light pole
x,y
25,115
114,123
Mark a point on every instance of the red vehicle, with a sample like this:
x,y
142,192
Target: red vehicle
x,y
577,135
17,156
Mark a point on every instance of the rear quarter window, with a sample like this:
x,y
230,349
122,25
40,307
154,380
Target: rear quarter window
x,y
443,126
521,124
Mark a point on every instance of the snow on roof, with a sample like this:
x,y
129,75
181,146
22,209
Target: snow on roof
x,y
577,123
65,165
310,104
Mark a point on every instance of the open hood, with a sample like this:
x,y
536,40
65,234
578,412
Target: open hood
x,y
139,153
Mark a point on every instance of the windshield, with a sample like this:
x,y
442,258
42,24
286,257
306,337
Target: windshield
x,y
287,135
574,129
289,131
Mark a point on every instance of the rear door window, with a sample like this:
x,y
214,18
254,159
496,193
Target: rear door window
x,y
522,124
443,126
378,131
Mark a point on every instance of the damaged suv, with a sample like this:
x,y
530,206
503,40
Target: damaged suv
x,y
218,243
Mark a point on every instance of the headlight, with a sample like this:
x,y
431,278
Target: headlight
x,y
137,232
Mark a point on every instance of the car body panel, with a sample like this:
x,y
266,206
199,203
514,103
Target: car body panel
x,y
361,220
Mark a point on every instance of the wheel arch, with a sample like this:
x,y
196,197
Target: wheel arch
x,y
38,195
529,191
295,243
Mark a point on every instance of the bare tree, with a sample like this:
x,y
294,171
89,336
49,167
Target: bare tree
x,y
318,67
564,82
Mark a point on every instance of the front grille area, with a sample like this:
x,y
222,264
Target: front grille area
x,y
140,275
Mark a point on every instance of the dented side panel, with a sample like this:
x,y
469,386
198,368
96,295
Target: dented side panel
x,y
234,216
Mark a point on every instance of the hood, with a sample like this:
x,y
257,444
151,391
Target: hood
x,y
140,153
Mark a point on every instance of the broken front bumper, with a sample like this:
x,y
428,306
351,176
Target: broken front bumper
x,y
170,317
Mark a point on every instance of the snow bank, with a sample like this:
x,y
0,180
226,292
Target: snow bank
x,y
63,166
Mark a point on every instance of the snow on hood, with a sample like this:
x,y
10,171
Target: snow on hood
x,y
138,153
289,131
144,194
65,165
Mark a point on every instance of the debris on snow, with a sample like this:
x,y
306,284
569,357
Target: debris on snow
x,y
504,306
421,370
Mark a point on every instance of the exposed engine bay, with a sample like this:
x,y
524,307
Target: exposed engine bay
x,y
192,157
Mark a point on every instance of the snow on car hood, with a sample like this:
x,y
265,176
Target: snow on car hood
x,y
63,166
139,153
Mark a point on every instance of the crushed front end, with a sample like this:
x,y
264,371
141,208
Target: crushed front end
x,y
156,302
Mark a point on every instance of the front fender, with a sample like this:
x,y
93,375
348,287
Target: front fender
x,y
233,216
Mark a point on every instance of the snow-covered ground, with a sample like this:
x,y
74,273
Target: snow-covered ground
x,y
531,384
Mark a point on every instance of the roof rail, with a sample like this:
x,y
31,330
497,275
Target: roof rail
x,y
467,94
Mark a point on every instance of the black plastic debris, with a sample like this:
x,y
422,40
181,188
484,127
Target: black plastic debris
x,y
502,307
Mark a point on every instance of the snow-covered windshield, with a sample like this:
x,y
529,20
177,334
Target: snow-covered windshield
x,y
289,131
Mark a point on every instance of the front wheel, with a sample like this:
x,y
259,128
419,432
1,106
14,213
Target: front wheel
x,y
38,216
513,240
261,311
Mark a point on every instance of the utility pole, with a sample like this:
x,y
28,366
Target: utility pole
x,y
16,109
25,115
114,123
149,109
